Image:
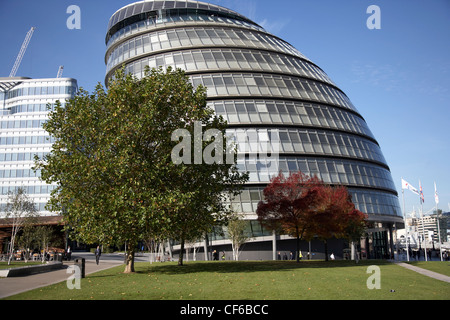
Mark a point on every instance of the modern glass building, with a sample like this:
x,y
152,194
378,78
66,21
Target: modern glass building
x,y
259,82
23,110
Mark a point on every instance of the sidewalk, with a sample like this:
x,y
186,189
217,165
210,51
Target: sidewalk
x,y
15,285
425,272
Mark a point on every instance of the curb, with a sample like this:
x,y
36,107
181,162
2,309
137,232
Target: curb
x,y
28,270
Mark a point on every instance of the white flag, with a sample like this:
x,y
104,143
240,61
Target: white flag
x,y
406,185
436,198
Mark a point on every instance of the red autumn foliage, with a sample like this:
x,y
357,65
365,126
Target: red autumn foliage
x,y
288,202
304,207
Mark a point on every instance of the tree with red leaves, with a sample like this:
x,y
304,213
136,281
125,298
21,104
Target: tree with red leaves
x,y
336,216
288,204
304,207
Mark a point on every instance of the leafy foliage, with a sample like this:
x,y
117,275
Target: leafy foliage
x,y
21,210
288,204
304,207
236,231
112,164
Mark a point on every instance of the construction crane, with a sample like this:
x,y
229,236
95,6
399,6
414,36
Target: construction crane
x,y
60,71
22,52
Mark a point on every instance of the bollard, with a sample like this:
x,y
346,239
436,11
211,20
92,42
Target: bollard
x,y
80,262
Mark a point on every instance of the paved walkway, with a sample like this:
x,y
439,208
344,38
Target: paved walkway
x,y
15,285
425,272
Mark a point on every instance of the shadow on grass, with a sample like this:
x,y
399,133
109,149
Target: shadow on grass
x,y
249,266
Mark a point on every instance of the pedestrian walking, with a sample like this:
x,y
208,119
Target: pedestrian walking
x,y
69,253
98,253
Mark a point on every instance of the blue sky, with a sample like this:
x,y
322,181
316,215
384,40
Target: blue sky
x,y
397,76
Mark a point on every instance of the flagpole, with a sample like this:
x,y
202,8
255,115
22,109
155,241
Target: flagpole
x,y
406,225
423,232
439,232
423,226
436,200
406,185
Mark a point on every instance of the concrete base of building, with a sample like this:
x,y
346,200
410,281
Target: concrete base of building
x,y
285,250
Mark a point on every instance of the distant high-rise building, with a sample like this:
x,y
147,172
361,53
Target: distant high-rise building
x,y
259,82
23,110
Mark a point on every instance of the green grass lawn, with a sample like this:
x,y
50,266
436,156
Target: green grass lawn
x,y
18,264
251,280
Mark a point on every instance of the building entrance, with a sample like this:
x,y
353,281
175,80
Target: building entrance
x,y
378,245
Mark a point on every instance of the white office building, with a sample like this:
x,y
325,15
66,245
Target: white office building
x,y
23,110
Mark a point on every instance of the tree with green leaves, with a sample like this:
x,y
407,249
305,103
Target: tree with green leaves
x,y
26,240
44,236
21,210
206,178
112,162
236,228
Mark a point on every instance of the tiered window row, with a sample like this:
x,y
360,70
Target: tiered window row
x,y
368,201
317,142
182,39
333,171
280,112
230,59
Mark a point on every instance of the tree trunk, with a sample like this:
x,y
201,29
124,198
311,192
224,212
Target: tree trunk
x,y
325,243
298,244
129,268
205,247
180,258
11,248
235,249
352,250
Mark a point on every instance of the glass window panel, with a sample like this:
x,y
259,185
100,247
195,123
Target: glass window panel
x,y
245,195
229,107
228,80
250,81
254,117
275,117
207,81
292,165
169,60
250,107
240,107
255,195
218,81
238,80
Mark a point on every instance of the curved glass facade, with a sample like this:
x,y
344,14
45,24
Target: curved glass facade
x,y
259,82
